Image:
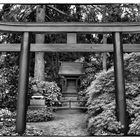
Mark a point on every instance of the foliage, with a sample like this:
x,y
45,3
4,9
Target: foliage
x,y
105,123
39,115
49,90
8,81
92,67
7,117
8,90
68,13
8,120
82,97
11,131
9,73
4,112
101,101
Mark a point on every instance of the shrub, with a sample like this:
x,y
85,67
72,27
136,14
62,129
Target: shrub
x,y
7,117
101,100
91,68
9,74
49,90
82,97
8,86
105,123
11,131
35,115
39,115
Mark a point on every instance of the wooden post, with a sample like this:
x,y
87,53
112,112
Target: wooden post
x,y
23,85
70,104
71,38
104,54
119,80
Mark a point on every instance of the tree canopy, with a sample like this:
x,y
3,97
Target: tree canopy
x,y
93,13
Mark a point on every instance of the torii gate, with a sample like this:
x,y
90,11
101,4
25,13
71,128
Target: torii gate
x,y
71,46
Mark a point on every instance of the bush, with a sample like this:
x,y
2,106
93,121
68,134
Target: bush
x,y
9,74
49,90
101,100
8,86
8,119
39,115
11,131
82,97
91,68
105,123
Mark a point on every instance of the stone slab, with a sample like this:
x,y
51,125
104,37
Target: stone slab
x,y
37,102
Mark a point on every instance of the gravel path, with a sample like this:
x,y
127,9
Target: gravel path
x,y
66,123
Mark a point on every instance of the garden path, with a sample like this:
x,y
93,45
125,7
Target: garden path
x,y
66,123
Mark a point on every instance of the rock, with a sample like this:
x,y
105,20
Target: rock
x,y
37,102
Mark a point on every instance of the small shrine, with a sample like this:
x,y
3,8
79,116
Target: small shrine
x,y
70,73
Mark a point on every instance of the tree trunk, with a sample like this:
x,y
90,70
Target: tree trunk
x,y
39,56
78,12
138,19
104,42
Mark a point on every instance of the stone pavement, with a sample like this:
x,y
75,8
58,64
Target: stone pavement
x,y
66,123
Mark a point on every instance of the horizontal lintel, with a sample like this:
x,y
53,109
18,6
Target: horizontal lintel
x,y
70,27
69,47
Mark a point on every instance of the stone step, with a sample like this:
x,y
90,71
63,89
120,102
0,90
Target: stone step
x,y
70,104
69,94
69,98
55,108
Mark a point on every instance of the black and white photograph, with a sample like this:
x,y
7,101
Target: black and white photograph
x,y
70,69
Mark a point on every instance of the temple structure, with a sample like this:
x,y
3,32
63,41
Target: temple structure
x,y
70,73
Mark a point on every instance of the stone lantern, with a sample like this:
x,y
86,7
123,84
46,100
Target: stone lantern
x,y
70,73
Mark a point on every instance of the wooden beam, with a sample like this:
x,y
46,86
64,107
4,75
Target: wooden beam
x,y
119,81
10,47
69,27
69,47
23,85
131,47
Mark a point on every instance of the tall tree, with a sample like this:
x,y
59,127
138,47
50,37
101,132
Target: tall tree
x,y
39,56
104,42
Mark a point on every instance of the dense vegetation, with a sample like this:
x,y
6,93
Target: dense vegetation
x,y
9,74
101,100
49,90
7,124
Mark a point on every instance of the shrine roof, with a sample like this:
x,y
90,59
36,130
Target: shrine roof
x,y
71,68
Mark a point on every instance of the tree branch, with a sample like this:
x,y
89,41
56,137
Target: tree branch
x,y
61,12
